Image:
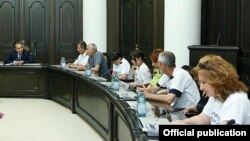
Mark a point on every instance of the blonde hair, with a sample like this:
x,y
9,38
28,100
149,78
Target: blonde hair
x,y
220,74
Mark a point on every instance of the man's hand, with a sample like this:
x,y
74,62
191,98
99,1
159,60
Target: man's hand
x,y
19,62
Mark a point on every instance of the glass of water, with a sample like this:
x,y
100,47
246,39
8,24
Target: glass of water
x,y
124,88
88,73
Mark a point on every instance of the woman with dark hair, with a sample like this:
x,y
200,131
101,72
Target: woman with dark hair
x,y
120,65
142,73
228,99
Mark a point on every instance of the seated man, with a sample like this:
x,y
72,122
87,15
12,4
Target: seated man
x,y
19,56
97,62
182,89
82,60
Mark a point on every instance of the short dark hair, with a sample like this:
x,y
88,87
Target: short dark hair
x,y
137,53
115,55
82,44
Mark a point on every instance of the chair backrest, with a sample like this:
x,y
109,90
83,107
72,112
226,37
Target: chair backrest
x,y
188,69
245,79
203,101
27,44
33,48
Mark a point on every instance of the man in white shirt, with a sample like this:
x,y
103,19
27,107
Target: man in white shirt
x,y
82,60
182,89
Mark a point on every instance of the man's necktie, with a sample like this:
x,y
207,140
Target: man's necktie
x,y
19,57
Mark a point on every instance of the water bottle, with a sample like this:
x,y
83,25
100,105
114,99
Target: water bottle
x,y
141,105
115,81
63,62
88,71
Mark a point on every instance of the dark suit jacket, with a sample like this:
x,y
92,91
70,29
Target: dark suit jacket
x,y
26,57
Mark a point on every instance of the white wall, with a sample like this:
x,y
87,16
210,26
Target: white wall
x,y
95,23
182,27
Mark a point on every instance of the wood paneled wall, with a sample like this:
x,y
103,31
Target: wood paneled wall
x,y
55,26
227,23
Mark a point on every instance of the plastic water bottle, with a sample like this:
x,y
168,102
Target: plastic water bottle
x,y
141,105
115,82
63,62
88,71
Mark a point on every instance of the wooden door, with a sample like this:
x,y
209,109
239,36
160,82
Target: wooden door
x,y
135,23
68,22
52,27
36,27
9,26
136,26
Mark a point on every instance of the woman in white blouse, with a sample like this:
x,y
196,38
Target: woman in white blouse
x,y
142,74
120,65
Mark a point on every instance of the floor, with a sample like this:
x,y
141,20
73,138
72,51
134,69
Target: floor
x,y
41,120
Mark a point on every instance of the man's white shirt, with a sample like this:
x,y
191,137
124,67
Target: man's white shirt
x,y
82,59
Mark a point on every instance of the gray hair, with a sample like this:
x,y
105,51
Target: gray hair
x,y
167,58
92,46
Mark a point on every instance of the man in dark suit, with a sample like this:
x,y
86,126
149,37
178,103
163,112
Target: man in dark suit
x,y
19,56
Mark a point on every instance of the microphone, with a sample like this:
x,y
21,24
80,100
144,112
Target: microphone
x,y
231,122
217,41
106,72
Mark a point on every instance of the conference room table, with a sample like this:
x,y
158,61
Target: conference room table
x,y
111,113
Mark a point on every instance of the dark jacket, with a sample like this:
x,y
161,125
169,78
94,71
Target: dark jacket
x,y
26,57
